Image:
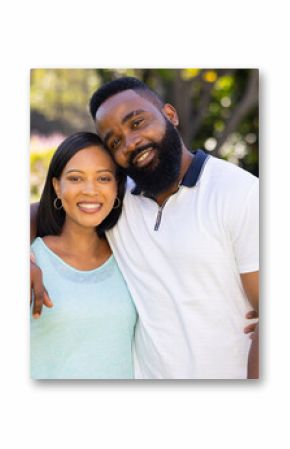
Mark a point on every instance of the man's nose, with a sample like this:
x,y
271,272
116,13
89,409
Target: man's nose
x,y
132,142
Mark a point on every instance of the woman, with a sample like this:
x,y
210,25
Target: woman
x,y
88,333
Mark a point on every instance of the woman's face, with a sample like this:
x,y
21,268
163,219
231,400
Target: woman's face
x,y
87,187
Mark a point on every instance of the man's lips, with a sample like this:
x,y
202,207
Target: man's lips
x,y
144,157
89,207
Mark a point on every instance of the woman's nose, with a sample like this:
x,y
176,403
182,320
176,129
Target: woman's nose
x,y
90,187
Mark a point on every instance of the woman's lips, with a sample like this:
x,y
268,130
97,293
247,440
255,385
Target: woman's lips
x,y
144,158
89,208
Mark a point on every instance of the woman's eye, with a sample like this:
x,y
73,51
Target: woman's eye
x,y
74,178
105,178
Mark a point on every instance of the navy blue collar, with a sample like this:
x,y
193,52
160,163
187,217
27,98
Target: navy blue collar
x,y
191,176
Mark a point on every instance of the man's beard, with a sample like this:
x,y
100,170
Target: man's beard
x,y
164,170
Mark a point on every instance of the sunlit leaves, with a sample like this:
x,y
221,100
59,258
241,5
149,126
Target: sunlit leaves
x,y
210,76
225,83
187,74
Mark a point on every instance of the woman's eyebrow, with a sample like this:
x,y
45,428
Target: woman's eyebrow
x,y
81,171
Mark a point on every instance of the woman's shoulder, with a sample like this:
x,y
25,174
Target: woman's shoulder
x,y
37,243
51,241
44,247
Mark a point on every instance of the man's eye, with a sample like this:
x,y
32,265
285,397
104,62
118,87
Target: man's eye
x,y
115,143
137,122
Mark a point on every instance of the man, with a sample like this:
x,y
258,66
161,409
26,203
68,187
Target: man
x,y
187,241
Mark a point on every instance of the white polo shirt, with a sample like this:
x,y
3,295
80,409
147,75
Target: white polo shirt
x,y
182,264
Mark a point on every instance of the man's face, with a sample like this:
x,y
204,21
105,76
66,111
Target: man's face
x,y
142,140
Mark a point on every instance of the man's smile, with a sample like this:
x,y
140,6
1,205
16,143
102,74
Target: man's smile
x,y
144,158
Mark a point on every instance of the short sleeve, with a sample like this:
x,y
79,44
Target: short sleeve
x,y
245,231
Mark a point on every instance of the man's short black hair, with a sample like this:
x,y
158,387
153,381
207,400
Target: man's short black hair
x,y
119,85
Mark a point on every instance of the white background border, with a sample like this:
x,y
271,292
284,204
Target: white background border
x,y
144,34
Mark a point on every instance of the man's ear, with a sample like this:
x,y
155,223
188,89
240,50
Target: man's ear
x,y
56,186
171,114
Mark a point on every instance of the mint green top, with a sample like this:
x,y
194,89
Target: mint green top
x,y
88,333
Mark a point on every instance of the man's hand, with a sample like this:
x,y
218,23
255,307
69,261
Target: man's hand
x,y
250,329
40,295
253,359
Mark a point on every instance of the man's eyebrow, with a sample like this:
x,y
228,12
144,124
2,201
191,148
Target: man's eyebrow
x,y
131,114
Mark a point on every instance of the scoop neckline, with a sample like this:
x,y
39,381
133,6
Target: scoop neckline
x,y
76,270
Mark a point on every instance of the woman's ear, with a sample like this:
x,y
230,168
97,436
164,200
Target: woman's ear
x,y
56,186
171,114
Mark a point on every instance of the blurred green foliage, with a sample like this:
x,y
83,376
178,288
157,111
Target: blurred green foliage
x,y
217,108
39,163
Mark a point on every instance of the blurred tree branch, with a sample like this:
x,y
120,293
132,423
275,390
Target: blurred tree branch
x,y
242,108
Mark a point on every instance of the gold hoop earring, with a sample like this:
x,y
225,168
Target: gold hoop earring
x,y
116,206
57,206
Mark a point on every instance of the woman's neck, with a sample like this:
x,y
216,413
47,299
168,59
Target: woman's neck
x,y
83,241
80,247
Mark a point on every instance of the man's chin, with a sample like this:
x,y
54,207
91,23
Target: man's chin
x,y
151,170
139,174
151,187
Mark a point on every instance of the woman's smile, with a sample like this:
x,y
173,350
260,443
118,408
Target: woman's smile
x,y
89,207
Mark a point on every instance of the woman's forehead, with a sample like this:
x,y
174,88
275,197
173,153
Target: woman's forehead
x,y
94,156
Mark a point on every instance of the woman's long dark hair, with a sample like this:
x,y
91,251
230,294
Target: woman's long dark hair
x,y
50,220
